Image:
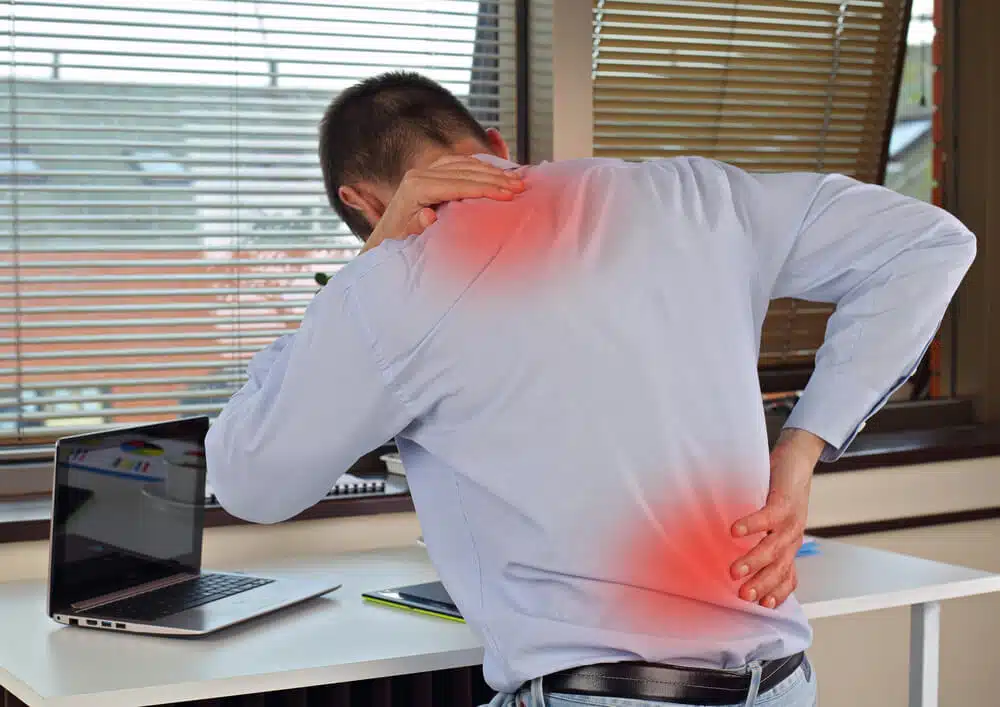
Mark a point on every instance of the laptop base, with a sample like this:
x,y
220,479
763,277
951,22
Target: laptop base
x,y
218,614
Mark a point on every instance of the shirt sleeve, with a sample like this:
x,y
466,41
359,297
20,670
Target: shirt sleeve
x,y
890,263
263,361
314,403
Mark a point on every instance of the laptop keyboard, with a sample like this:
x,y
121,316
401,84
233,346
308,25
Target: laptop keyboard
x,y
179,597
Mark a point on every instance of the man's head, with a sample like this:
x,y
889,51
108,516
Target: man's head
x,y
377,130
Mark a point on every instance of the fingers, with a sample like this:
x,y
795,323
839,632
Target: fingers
x,y
777,596
762,555
492,176
459,177
462,163
474,170
457,159
774,514
770,586
769,567
420,222
784,589
426,218
432,189
760,522
449,161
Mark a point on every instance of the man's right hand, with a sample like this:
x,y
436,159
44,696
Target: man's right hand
x,y
450,178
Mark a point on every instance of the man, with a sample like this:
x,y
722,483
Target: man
x,y
566,356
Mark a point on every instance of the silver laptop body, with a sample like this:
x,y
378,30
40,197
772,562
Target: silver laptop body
x,y
128,511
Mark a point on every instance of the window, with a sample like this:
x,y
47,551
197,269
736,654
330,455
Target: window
x,y
54,407
182,216
765,86
911,143
65,407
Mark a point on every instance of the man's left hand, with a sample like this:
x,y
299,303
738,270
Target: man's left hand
x,y
769,568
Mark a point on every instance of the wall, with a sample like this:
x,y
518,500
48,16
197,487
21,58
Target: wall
x,y
560,90
904,491
972,175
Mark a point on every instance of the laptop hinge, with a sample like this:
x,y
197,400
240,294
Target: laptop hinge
x,y
132,592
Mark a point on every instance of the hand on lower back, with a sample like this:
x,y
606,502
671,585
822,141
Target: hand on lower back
x,y
768,570
450,178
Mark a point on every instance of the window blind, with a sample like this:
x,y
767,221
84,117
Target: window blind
x,y
162,214
768,85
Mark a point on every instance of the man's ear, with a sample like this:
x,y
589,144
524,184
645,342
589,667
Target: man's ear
x,y
359,198
497,144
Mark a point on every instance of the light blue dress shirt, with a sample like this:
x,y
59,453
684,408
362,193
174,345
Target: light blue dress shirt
x,y
571,378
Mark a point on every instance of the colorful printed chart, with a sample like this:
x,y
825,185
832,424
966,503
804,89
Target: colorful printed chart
x,y
142,448
136,459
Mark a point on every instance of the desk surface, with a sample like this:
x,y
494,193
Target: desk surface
x,y
340,638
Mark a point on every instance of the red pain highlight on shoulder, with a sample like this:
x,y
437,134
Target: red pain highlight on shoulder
x,y
503,242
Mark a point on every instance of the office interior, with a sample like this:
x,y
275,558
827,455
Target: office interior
x,y
165,218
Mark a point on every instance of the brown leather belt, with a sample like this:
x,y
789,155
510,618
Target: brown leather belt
x,y
648,681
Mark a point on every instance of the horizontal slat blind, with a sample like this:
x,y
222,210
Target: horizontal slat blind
x,y
162,213
768,85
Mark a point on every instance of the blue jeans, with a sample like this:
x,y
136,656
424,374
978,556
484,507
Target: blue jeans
x,y
798,690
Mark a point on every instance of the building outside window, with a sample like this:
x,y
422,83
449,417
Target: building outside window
x,y
163,208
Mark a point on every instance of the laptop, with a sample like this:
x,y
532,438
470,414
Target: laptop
x,y
128,510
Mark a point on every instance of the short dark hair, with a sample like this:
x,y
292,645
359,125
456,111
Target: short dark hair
x,y
372,130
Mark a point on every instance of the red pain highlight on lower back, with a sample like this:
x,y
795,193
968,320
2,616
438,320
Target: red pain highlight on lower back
x,y
673,564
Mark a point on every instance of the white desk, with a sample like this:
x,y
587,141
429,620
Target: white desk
x,y
340,638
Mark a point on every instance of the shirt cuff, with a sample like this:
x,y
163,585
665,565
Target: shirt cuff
x,y
834,407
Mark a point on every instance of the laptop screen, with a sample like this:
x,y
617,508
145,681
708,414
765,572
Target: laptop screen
x,y
128,508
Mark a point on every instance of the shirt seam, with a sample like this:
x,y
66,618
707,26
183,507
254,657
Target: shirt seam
x,y
797,232
437,322
487,633
369,335
394,390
